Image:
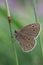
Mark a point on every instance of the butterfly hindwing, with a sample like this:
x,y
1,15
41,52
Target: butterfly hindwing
x,y
26,42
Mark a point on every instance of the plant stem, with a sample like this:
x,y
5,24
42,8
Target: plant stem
x,y
13,46
33,5
36,20
12,38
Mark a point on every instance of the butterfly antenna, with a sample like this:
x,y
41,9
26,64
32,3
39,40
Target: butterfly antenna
x,y
33,4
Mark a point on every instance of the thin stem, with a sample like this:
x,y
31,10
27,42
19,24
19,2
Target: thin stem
x,y
33,4
12,38
13,46
8,12
34,10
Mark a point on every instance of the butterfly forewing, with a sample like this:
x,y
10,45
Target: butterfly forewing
x,y
31,29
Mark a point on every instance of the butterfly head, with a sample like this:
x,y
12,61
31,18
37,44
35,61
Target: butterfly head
x,y
16,34
15,31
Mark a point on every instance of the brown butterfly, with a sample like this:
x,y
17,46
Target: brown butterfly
x,y
26,36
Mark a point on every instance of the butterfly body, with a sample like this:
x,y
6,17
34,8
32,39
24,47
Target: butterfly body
x,y
26,36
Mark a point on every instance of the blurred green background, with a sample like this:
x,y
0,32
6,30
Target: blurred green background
x,y
22,13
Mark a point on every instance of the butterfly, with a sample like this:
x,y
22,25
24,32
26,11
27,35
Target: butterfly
x,y
26,36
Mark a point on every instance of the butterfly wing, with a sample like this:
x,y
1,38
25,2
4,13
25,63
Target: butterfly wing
x,y
26,42
31,29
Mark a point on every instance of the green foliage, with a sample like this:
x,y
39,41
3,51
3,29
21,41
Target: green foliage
x,y
18,57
